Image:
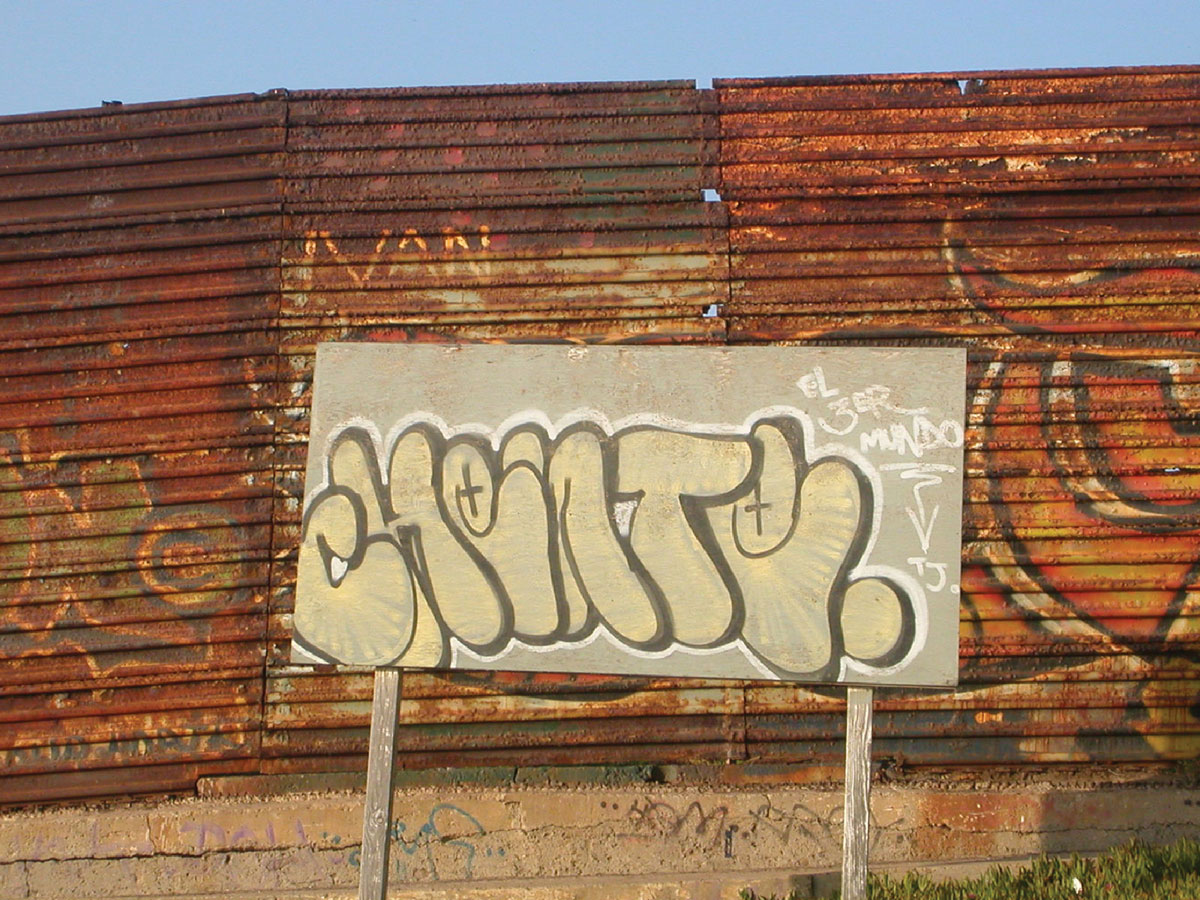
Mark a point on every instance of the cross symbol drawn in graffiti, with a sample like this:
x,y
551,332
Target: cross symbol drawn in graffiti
x,y
470,490
757,507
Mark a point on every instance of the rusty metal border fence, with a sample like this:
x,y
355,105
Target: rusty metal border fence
x,y
166,271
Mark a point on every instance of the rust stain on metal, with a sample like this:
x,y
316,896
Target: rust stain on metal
x,y
1002,214
138,277
167,270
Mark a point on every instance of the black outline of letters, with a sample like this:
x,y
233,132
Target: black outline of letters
x,y
408,541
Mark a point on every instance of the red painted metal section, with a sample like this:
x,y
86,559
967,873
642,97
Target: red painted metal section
x,y
167,270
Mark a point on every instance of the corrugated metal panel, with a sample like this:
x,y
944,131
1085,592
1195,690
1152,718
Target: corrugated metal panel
x,y
139,260
478,718
544,212
1046,221
987,132
167,270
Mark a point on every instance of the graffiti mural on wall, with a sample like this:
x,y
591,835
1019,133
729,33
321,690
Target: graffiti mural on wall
x,y
108,544
633,539
111,571
1096,515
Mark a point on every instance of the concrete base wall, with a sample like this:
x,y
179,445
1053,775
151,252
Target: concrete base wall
x,y
651,841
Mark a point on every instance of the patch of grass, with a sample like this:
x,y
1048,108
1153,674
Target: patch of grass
x,y
1134,871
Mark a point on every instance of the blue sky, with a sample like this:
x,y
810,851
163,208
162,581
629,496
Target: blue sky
x,y
61,54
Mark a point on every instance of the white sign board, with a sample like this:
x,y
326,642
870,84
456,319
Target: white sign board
x,y
787,513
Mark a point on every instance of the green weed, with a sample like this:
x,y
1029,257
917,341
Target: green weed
x,y
1134,871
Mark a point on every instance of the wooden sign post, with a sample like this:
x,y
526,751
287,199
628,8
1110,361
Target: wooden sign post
x,y
787,514
381,764
856,818
381,767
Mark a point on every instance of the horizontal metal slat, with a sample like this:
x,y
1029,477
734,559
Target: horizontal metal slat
x,y
956,89
17,675
552,738
125,780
